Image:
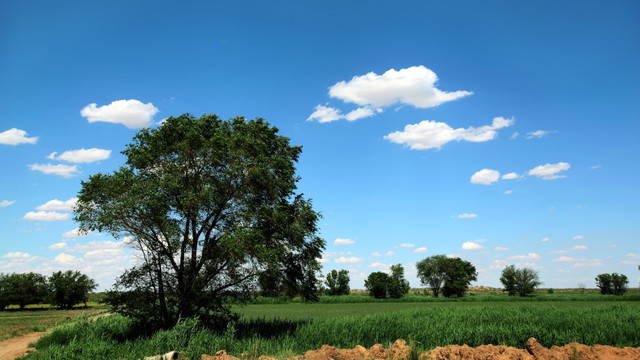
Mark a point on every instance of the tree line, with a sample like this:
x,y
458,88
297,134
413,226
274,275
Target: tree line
x,y
61,289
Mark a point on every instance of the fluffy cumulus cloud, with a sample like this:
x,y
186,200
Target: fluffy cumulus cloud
x,y
66,171
15,136
379,265
324,114
420,250
81,156
130,113
510,176
550,171
5,203
45,216
412,86
485,177
578,237
545,239
433,134
580,247
58,205
348,260
343,242
467,216
409,246
471,245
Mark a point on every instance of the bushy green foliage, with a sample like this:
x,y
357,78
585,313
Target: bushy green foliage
x,y
22,289
69,288
211,204
377,284
522,281
398,285
451,276
612,284
338,282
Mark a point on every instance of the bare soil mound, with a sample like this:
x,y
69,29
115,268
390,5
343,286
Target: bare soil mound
x,y
400,351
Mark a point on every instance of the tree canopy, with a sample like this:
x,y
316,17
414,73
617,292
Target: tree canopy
x,y
452,276
522,281
69,288
338,282
209,204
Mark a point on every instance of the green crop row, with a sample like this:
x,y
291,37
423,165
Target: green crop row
x,y
474,324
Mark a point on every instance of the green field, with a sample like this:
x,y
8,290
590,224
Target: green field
x,y
283,330
14,322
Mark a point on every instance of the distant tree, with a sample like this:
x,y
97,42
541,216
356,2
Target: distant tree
x,y
521,281
22,289
619,283
377,283
452,276
431,272
458,277
338,282
398,285
605,283
69,288
508,279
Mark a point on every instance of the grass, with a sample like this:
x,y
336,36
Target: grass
x,y
33,318
283,330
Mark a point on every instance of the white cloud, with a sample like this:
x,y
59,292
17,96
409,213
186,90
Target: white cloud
x,y
508,192
58,246
498,264
324,114
343,242
550,171
429,134
578,237
45,216
16,255
633,256
515,135
379,265
412,86
420,250
5,203
75,233
588,264
545,239
485,177
82,155
348,260
537,134
407,245
130,113
510,176
66,171
594,167
500,248
529,256
15,137
580,247
470,245
58,205
388,253
467,216
66,260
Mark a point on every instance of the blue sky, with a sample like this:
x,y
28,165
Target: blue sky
x,y
500,132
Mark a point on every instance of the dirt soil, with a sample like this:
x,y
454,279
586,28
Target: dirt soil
x,y
18,346
400,351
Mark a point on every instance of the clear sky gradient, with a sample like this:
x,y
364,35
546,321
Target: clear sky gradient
x,y
500,132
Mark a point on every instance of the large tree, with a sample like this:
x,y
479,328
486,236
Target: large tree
x,y
22,289
209,204
338,282
431,272
398,285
